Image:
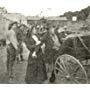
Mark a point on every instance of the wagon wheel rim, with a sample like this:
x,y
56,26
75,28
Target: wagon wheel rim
x,y
70,69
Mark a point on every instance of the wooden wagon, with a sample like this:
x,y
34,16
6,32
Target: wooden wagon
x,y
74,55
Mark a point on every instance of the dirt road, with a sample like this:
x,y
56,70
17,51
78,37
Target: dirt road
x,y
19,70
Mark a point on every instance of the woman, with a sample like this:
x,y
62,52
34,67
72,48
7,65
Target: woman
x,y
36,70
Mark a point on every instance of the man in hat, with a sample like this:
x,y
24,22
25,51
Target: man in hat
x,y
12,48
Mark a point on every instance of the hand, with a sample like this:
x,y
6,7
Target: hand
x,y
34,55
39,42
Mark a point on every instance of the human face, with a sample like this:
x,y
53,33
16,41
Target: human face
x,y
34,31
14,26
22,27
52,30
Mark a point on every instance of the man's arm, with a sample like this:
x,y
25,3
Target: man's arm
x,y
13,39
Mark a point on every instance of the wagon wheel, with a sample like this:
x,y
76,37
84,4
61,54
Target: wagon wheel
x,y
69,70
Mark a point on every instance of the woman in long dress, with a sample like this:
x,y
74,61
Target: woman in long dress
x,y
36,70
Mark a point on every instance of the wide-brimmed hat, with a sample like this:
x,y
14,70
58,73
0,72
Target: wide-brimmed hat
x,y
11,24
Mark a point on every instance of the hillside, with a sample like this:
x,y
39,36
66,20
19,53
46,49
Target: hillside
x,y
81,15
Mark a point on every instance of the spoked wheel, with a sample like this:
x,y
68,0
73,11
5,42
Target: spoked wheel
x,y
69,70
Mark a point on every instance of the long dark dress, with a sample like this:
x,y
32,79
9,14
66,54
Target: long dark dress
x,y
36,70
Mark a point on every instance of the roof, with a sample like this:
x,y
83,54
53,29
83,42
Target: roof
x,y
14,16
48,18
57,18
33,18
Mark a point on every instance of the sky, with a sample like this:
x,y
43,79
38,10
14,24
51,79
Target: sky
x,y
43,7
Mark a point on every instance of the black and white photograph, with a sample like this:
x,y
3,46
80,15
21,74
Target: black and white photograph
x,y
44,41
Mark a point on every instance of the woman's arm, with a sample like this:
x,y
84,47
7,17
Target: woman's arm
x,y
28,44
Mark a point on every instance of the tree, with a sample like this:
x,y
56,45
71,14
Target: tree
x,y
81,15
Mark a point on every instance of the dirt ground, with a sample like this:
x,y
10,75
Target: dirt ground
x,y
19,71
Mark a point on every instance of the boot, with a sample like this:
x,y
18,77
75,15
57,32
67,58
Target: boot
x,y
52,78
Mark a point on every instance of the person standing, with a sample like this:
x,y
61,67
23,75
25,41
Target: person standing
x,y
20,38
36,70
51,51
12,48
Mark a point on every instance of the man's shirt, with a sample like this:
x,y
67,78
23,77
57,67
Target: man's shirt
x,y
11,38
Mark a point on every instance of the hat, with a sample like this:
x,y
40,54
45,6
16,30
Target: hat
x,y
11,24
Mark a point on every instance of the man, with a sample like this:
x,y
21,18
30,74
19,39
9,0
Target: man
x,y
20,38
51,51
12,48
